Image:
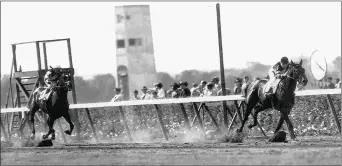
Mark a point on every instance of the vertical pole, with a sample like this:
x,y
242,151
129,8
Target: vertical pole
x,y
91,124
186,119
41,81
223,82
212,118
3,130
122,114
45,56
14,57
161,121
332,108
75,112
197,111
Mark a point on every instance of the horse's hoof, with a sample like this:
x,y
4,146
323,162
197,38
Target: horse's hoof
x,y
53,137
67,132
250,126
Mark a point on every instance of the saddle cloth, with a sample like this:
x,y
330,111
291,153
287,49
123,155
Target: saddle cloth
x,y
272,84
44,93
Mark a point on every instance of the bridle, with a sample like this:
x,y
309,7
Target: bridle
x,y
299,77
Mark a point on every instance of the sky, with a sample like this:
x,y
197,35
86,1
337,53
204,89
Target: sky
x,y
184,33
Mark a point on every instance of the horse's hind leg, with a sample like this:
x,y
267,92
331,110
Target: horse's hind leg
x,y
50,122
68,119
280,123
252,101
257,109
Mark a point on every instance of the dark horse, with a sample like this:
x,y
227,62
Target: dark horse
x,y
57,104
283,100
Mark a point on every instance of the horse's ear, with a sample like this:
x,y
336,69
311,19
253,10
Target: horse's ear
x,y
301,62
291,62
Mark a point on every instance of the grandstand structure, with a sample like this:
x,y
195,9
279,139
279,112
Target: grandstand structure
x,y
134,49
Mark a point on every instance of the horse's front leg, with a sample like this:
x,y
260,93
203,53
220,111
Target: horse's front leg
x,y
50,122
31,114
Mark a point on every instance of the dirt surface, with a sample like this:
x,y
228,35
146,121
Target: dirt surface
x,y
253,151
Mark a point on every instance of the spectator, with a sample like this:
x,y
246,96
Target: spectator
x,y
219,93
202,87
175,93
209,90
160,91
329,84
135,95
337,83
320,84
237,86
145,95
169,93
118,96
183,90
216,82
154,95
195,90
245,86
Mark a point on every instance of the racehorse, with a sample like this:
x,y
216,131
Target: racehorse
x,y
283,100
57,104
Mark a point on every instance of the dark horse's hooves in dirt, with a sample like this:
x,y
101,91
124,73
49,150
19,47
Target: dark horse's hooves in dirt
x,y
238,131
47,142
67,132
250,126
279,137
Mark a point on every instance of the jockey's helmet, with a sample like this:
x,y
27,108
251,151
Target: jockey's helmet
x,y
284,60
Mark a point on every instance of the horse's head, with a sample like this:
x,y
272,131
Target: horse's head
x,y
61,79
297,72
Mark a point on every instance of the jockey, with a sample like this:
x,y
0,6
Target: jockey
x,y
48,83
277,71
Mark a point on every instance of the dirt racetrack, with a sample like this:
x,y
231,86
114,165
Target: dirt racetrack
x,y
253,151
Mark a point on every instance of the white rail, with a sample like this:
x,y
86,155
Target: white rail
x,y
178,100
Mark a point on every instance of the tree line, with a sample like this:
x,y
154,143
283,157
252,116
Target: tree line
x,y
100,88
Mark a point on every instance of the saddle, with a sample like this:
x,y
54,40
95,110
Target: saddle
x,y
271,86
44,93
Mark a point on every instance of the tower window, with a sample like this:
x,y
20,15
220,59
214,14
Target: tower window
x,y
120,43
135,42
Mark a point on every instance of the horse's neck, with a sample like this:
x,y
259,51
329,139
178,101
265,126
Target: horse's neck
x,y
61,96
290,85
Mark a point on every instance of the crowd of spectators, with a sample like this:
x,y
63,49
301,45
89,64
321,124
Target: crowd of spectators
x,y
204,88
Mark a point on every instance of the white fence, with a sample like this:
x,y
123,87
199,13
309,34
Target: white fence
x,y
177,100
